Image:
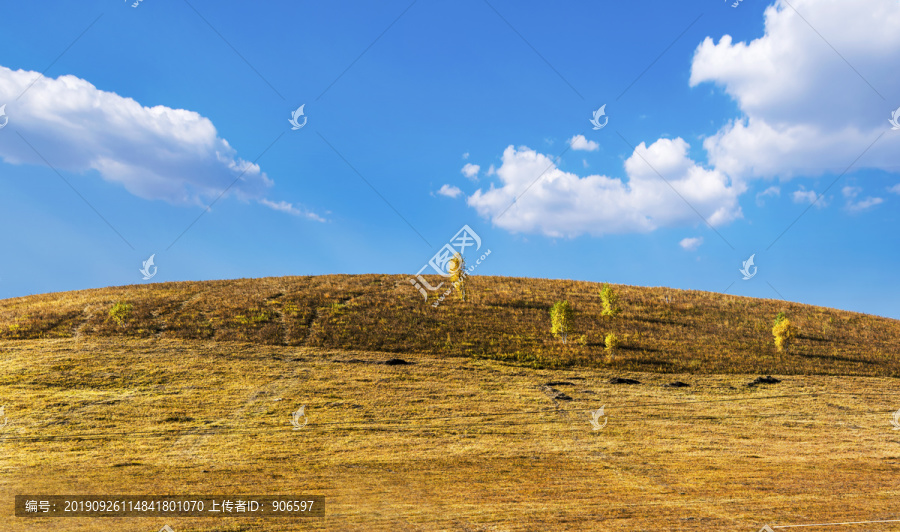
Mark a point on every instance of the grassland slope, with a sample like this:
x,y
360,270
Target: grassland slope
x,y
660,329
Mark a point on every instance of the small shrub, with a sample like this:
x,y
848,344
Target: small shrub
x,y
779,318
784,332
121,312
255,317
612,342
582,340
561,317
610,301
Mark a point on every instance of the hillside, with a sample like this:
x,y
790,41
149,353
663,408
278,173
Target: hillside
x,y
198,392
505,319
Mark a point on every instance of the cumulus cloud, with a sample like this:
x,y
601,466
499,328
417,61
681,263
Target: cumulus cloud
x,y
579,142
564,204
471,171
450,191
691,244
156,153
805,110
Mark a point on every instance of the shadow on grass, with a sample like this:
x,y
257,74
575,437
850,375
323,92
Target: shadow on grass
x,y
654,364
638,349
518,303
837,358
661,321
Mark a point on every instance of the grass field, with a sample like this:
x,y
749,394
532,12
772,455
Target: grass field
x,y
506,318
468,435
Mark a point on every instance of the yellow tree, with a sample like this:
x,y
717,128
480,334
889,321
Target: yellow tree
x,y
561,318
458,275
784,332
612,342
610,301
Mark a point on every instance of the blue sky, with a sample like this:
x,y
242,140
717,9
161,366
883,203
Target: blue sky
x,y
724,125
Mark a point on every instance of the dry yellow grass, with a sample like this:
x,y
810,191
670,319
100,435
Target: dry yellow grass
x,y
441,444
449,442
505,319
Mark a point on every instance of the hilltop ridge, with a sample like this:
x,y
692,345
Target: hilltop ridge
x,y
506,318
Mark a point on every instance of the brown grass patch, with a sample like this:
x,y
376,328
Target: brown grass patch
x,y
441,444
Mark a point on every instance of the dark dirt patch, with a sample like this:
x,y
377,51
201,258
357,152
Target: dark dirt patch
x,y
555,394
768,379
178,419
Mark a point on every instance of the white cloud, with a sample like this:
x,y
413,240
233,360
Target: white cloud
x,y
471,171
691,244
564,204
493,171
466,155
851,193
289,208
579,142
895,189
863,204
801,195
804,196
806,111
450,191
156,153
771,191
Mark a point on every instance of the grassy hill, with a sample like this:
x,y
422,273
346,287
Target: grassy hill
x,y
194,394
505,319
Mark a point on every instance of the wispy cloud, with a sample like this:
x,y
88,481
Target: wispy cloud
x,y
854,205
771,191
863,204
289,208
